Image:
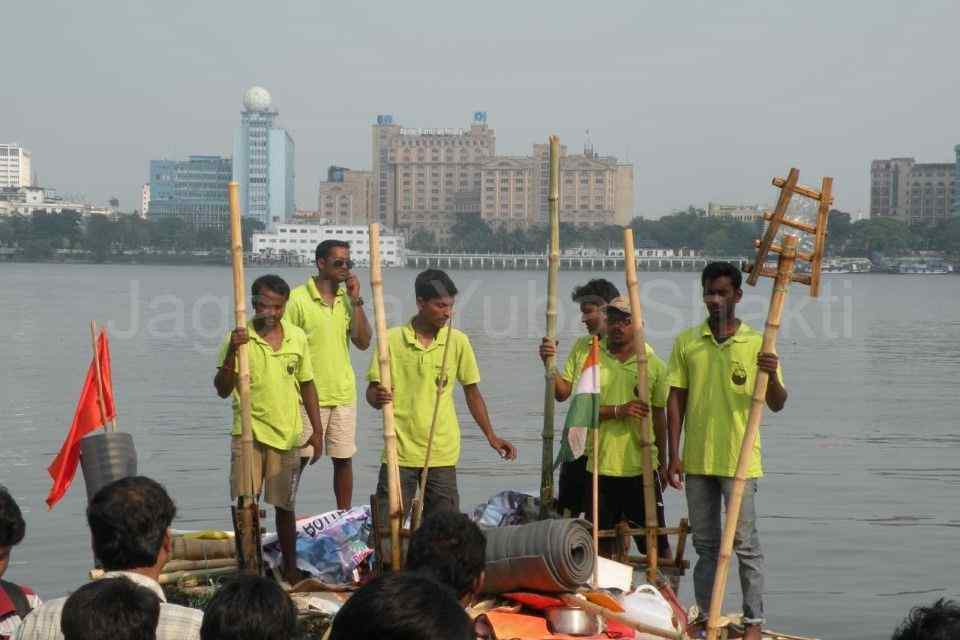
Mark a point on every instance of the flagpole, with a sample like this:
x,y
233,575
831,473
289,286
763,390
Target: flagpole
x,y
99,376
549,399
596,478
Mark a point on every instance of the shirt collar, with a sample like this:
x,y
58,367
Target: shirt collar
x,y
140,580
256,337
739,336
315,292
411,337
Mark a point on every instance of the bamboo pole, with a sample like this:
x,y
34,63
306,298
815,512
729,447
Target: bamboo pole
x,y
596,504
442,381
389,430
192,565
549,399
645,425
98,373
778,297
248,512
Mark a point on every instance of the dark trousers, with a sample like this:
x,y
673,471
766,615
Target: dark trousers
x,y
574,484
622,499
441,494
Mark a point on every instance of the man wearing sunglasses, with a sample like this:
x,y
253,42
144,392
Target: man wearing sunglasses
x,y
329,309
620,452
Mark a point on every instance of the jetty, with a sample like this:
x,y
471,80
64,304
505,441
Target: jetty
x,y
538,261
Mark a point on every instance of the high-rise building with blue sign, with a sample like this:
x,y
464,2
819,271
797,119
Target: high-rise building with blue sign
x,y
263,159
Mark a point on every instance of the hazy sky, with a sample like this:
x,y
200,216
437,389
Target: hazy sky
x,y
708,102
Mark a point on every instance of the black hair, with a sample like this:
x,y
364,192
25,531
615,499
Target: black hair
x,y
249,608
272,282
323,249
402,606
114,608
939,621
597,291
433,283
716,270
12,526
128,520
450,548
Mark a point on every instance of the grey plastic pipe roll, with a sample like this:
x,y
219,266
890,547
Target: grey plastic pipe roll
x,y
550,556
105,457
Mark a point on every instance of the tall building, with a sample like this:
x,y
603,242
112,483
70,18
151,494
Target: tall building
x,y
194,190
145,200
15,166
347,196
912,192
263,161
425,177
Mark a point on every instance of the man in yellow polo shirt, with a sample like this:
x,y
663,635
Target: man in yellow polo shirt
x,y
416,357
592,298
711,374
620,451
329,309
281,377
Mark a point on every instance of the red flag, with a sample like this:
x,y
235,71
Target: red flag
x,y
87,418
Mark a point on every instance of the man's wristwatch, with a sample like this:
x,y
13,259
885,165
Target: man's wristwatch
x,y
358,302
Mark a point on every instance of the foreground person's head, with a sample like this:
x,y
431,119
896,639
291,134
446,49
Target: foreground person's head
x,y
402,606
450,548
249,608
939,621
111,609
129,522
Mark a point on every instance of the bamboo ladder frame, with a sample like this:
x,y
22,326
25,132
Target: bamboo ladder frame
x,y
549,399
783,276
395,500
645,425
247,516
442,381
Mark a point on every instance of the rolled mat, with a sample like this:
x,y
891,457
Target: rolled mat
x,y
550,556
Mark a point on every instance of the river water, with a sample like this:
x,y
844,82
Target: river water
x,y
859,515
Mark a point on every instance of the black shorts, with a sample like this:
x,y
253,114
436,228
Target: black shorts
x,y
622,499
573,485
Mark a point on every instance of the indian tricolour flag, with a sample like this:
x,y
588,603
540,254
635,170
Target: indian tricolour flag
x,y
584,412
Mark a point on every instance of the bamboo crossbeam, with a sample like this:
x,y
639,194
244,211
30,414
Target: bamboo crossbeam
x,y
807,192
796,224
191,565
442,381
776,248
645,425
778,297
389,427
549,399
802,278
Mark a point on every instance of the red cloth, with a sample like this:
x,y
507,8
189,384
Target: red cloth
x,y
87,418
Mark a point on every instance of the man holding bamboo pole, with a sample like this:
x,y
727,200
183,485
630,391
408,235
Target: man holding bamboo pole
x,y
592,298
416,356
712,368
619,455
281,377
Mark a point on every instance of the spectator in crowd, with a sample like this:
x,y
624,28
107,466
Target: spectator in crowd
x,y
112,609
939,621
16,601
250,608
402,606
451,549
129,523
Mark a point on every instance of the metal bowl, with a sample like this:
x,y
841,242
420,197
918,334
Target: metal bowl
x,y
572,621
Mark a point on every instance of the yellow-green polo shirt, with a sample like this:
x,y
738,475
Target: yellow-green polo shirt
x,y
621,452
573,365
328,334
414,370
274,386
719,379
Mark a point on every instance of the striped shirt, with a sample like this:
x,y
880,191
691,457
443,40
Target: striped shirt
x,y
9,619
176,622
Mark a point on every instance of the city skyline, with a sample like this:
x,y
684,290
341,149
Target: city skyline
x,y
684,95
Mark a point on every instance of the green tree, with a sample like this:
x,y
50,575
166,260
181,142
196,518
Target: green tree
x,y
423,240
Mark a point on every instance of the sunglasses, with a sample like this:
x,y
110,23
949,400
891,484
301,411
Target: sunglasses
x,y
343,263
